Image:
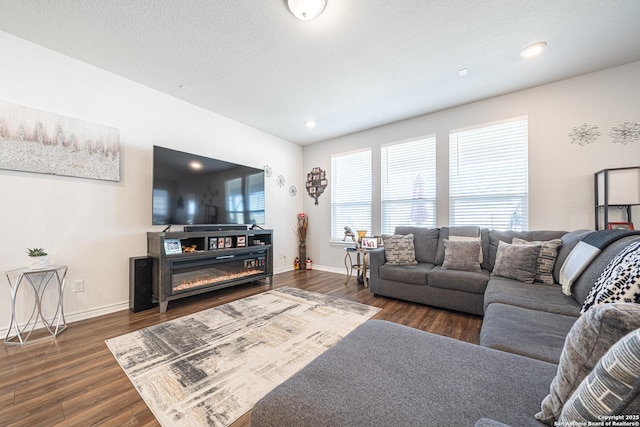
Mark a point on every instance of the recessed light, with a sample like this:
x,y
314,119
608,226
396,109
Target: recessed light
x,y
533,50
310,124
463,72
195,165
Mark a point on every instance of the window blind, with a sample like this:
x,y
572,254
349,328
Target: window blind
x,y
350,192
488,182
408,189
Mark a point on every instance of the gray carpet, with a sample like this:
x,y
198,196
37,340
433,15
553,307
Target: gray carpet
x,y
211,367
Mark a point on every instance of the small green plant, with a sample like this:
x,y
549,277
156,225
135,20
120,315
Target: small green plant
x,y
36,252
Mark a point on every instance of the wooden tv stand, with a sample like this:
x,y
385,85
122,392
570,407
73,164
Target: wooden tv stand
x,y
216,259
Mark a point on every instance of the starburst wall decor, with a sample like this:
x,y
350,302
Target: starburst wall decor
x,y
585,134
625,133
280,180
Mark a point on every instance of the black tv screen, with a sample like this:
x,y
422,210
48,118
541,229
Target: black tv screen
x,y
194,190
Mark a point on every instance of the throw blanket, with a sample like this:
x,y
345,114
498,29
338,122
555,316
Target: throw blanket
x,y
585,251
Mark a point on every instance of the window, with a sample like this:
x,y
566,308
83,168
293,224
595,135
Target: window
x,y
488,176
350,192
408,189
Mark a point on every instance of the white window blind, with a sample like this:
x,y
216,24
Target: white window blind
x,y
408,189
350,192
488,182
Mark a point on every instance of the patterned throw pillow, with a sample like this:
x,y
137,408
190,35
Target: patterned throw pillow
x,y
462,255
620,280
516,261
546,259
590,337
609,389
399,250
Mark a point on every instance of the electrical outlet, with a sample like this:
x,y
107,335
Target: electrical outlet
x,y
78,286
283,255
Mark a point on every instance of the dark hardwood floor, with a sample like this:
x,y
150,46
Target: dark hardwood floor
x,y
75,381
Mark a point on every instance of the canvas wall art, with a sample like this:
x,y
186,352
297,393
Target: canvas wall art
x,y
37,141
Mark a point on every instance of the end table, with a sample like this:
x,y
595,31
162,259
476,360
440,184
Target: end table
x,y
39,280
360,265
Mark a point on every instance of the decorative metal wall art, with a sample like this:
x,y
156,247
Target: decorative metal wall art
x,y
316,183
280,180
625,133
37,141
267,171
585,134
293,191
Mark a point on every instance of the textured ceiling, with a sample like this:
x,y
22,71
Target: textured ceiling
x,y
361,64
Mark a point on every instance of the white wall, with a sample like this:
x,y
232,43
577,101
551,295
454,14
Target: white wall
x,y
95,226
560,173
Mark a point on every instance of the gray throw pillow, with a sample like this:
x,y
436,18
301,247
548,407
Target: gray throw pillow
x,y
610,388
588,340
546,259
516,261
399,250
462,255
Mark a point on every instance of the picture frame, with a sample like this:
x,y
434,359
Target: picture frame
x,y
220,242
213,243
369,242
241,241
228,242
172,246
620,226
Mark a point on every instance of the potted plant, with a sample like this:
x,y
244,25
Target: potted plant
x,y
38,258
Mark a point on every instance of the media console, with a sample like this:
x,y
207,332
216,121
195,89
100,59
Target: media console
x,y
190,263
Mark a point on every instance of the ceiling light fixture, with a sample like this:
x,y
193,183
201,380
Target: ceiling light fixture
x,y
533,50
306,9
310,124
195,165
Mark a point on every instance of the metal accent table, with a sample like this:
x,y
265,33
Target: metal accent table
x,y
360,265
39,281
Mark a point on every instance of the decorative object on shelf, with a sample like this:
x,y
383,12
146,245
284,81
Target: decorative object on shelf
x,y
267,171
625,132
303,223
296,264
308,264
38,258
585,134
172,246
71,147
293,191
316,183
620,226
361,234
280,180
349,233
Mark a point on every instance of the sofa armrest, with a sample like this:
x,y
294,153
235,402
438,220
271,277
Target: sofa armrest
x,y
376,259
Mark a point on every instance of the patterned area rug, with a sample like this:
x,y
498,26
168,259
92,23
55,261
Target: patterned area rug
x,y
211,367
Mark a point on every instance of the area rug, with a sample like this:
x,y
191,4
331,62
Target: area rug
x,y
211,367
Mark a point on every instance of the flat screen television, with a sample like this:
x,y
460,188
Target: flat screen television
x,y
194,190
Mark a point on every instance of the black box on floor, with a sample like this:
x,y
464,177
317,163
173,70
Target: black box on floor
x,y
140,283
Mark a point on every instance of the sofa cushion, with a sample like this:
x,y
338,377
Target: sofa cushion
x,y
541,297
620,280
569,241
425,242
612,386
531,333
546,259
583,285
414,274
467,281
399,249
462,255
588,340
409,377
496,236
460,233
516,261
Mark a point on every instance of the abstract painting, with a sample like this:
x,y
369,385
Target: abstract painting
x,y
37,141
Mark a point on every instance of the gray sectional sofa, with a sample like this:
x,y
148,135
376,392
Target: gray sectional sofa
x,y
535,347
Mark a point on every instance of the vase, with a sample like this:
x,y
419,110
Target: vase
x,y
38,262
302,248
361,234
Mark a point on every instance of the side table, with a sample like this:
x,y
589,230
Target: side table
x,y
39,280
360,265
